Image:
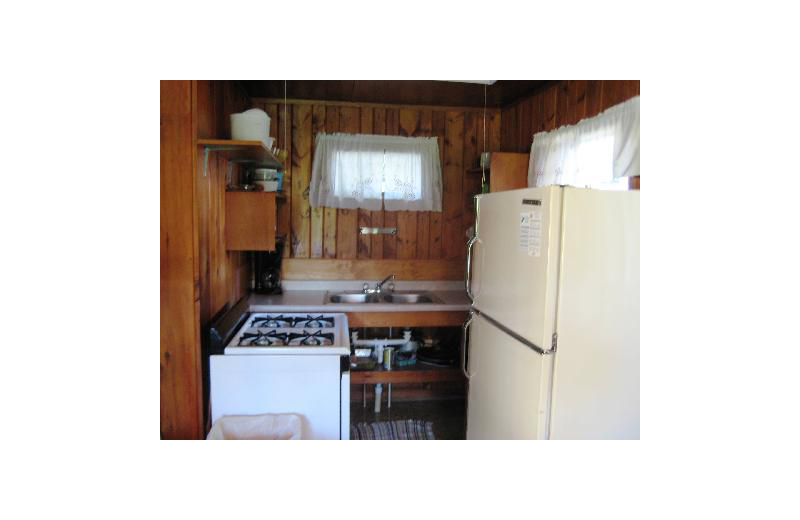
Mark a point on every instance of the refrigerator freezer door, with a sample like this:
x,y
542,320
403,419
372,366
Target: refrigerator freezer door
x,y
596,374
507,388
306,385
514,275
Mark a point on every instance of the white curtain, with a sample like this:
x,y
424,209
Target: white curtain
x,y
594,152
355,170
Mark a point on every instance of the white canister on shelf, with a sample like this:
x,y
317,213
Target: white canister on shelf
x,y
250,125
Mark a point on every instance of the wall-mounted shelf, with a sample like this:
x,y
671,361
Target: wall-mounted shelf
x,y
250,152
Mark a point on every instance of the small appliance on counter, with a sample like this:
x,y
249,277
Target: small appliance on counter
x,y
268,269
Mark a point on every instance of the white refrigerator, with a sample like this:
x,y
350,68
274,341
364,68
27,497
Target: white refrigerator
x,y
553,334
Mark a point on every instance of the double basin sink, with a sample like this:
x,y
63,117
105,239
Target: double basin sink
x,y
387,297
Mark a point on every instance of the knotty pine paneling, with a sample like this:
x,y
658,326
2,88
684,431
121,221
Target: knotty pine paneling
x,y
301,177
332,233
376,217
390,217
181,409
364,245
347,219
317,237
452,180
563,103
224,277
471,183
437,219
329,214
424,217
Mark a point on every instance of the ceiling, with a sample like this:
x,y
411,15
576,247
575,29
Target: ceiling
x,y
401,92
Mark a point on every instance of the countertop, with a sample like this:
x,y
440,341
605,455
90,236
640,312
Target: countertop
x,y
310,297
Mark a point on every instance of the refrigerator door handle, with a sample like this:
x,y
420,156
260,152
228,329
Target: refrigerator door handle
x,y
470,244
519,338
464,344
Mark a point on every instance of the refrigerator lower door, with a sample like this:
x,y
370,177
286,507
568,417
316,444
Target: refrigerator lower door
x,y
515,260
596,374
508,386
306,385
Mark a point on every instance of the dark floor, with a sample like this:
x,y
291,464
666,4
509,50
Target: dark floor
x,y
448,416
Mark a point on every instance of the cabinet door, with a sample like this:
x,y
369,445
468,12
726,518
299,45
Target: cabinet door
x,y
508,171
250,221
304,385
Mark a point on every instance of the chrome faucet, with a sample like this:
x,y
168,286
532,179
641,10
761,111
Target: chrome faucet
x,y
379,286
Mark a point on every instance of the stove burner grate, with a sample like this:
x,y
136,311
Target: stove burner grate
x,y
317,338
263,339
314,322
270,321
281,321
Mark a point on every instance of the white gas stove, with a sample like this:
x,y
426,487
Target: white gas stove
x,y
271,333
287,363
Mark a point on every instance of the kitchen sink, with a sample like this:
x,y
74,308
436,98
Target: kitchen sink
x,y
354,298
388,297
407,298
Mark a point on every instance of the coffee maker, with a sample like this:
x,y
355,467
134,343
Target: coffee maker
x,y
268,269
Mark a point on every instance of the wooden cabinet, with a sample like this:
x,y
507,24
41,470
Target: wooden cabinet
x,y
506,171
250,216
250,220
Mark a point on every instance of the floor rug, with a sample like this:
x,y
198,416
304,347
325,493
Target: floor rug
x,y
410,429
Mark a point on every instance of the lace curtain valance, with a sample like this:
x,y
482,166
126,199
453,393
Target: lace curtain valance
x,y
361,171
594,152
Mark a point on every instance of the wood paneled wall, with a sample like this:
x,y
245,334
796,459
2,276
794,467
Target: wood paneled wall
x,y
224,277
181,396
563,103
330,233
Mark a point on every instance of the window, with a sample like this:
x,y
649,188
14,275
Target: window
x,y
591,161
374,171
598,152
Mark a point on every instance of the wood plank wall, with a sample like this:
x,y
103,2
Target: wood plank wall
x,y
224,276
330,233
563,103
181,395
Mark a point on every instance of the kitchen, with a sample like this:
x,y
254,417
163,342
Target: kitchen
x,y
87,414
400,282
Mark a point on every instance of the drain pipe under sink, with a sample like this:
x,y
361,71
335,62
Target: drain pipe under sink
x,y
378,392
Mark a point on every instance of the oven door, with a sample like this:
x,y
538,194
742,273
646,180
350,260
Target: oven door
x,y
307,385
